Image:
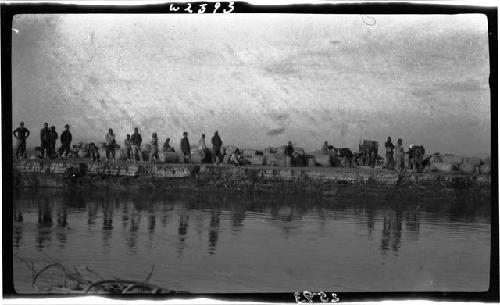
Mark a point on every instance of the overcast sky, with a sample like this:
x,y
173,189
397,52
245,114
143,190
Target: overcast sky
x,y
259,79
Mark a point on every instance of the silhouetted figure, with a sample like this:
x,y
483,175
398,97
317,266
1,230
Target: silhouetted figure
x,y
128,147
153,154
399,155
389,154
53,136
216,148
110,144
136,144
66,139
45,140
21,134
186,148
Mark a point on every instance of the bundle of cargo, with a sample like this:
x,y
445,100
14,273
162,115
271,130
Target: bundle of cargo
x,y
448,163
485,167
456,161
254,157
310,160
470,165
366,149
323,160
299,157
169,157
469,168
441,167
121,154
275,159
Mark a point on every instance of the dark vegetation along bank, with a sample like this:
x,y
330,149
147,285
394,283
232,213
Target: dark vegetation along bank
x,y
265,179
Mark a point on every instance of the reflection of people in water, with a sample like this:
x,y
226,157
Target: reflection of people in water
x,y
18,211
107,224
45,213
213,233
391,232
92,212
135,219
60,232
182,231
44,222
125,216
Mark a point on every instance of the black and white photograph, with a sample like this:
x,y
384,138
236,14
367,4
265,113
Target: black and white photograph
x,y
201,151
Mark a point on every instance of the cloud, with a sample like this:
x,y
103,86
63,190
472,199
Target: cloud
x,y
274,132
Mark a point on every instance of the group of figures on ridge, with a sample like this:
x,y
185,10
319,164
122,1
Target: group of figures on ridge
x,y
368,151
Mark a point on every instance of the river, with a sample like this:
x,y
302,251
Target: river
x,y
359,239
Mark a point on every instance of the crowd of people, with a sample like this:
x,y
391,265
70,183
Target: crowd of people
x,y
394,157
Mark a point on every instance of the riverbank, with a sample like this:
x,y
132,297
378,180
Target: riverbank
x,y
266,179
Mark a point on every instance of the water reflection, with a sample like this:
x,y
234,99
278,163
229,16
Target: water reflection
x,y
213,232
182,231
394,214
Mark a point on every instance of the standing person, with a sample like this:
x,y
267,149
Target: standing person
x,y
154,148
136,144
324,149
21,134
110,144
399,155
94,152
217,145
128,143
203,149
53,136
66,139
167,147
45,139
288,154
186,148
389,154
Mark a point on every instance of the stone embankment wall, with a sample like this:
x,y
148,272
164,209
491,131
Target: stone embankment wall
x,y
325,180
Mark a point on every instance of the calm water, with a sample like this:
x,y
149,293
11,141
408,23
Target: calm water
x,y
355,241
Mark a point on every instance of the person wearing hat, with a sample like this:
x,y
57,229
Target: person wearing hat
x,y
66,139
21,134
186,148
399,155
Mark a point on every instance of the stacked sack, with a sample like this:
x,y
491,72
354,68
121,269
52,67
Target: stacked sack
x,y
254,157
444,163
485,168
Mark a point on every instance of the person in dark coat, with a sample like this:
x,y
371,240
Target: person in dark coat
x,y
53,136
66,139
217,145
45,140
136,140
21,134
289,154
186,148
389,154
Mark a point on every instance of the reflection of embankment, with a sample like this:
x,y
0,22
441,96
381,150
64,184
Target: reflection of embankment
x,y
391,211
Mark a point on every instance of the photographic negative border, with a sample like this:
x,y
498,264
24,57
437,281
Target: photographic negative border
x,y
367,8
